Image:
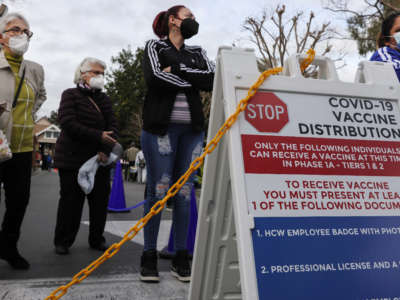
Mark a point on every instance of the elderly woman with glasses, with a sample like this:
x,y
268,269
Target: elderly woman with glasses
x,y
88,128
21,95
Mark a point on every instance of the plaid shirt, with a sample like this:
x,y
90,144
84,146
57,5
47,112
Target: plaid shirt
x,y
22,132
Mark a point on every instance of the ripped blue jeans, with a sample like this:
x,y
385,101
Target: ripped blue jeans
x,y
167,158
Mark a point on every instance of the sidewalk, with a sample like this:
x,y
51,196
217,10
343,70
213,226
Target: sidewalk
x,y
117,287
115,279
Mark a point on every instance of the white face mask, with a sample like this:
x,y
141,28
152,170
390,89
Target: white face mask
x,y
97,82
18,44
396,36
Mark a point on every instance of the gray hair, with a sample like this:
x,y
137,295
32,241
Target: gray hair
x,y
11,17
85,66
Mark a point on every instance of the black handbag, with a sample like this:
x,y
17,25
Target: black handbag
x,y
19,89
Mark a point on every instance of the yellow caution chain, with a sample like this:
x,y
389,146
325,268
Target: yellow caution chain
x,y
159,206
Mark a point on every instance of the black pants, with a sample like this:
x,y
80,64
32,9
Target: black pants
x,y
16,176
71,204
44,162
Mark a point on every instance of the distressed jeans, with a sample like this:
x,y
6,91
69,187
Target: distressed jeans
x,y
167,158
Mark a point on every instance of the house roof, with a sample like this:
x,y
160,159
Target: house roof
x,y
52,127
43,121
39,128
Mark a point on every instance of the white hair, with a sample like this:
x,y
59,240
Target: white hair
x,y
86,65
11,17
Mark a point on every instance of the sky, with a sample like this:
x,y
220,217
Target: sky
x,y
66,31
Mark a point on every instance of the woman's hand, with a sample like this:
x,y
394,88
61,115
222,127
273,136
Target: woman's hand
x,y
107,138
102,157
167,69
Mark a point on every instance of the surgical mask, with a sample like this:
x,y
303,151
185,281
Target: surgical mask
x,y
18,44
189,27
396,36
97,82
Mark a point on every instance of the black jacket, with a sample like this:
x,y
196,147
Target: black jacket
x,y
191,71
82,126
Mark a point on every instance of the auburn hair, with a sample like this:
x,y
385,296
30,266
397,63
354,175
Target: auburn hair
x,y
160,23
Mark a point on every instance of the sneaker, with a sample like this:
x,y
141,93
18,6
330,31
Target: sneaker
x,y
180,266
148,267
165,254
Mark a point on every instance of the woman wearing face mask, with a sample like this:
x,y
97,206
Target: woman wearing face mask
x,y
173,128
21,95
87,128
388,42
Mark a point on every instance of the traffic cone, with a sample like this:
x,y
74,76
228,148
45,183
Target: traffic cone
x,y
169,251
192,223
117,196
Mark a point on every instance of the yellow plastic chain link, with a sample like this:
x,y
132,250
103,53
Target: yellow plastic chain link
x,y
158,207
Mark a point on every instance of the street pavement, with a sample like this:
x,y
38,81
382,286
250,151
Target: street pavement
x,y
115,279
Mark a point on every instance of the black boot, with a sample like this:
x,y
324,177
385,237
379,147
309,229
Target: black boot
x,y
148,266
9,252
100,247
180,267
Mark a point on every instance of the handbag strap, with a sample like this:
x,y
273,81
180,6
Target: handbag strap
x,y
19,89
94,103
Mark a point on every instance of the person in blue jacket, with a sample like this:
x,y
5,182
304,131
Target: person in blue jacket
x,y
388,42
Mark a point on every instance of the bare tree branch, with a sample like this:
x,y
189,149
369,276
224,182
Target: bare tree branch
x,y
277,35
364,24
343,11
385,3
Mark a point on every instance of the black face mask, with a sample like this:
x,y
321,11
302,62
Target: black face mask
x,y
189,28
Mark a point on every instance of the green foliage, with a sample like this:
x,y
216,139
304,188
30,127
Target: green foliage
x,y
365,26
206,100
53,117
126,87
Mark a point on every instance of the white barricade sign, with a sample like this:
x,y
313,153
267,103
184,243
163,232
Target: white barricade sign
x,y
301,199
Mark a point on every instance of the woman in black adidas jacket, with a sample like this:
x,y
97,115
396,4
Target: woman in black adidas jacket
x,y
173,127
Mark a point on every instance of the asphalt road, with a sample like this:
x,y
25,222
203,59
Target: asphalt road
x,y
115,279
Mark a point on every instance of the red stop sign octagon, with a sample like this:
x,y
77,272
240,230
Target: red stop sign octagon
x,y
266,112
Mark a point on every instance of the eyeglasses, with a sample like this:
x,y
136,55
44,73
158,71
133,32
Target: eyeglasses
x,y
17,30
96,72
